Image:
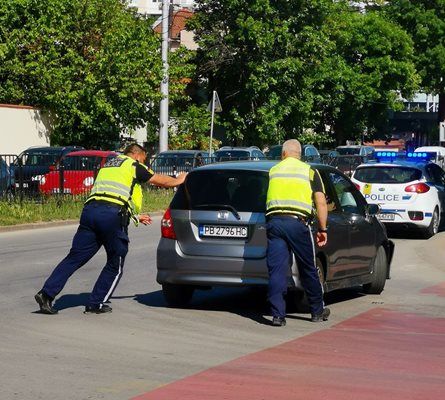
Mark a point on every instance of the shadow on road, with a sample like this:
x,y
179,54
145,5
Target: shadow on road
x,y
247,302
71,301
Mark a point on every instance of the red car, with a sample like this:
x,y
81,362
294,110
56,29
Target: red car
x,y
76,173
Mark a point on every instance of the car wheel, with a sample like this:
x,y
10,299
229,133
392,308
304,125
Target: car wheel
x,y
297,299
177,295
379,273
433,228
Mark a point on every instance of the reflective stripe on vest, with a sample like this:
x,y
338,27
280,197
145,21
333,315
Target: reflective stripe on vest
x,y
116,183
290,189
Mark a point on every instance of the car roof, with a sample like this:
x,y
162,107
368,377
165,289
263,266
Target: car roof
x,y
185,152
225,148
100,153
257,165
437,149
51,149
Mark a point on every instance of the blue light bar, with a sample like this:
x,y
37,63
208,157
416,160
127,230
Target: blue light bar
x,y
386,154
422,155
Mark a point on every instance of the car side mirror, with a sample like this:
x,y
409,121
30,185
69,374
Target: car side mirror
x,y
373,209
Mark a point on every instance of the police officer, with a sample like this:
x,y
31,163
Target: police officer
x,y
293,188
115,199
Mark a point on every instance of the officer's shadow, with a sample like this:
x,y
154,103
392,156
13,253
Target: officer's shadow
x,y
71,301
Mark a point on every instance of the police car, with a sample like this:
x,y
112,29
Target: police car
x,y
410,190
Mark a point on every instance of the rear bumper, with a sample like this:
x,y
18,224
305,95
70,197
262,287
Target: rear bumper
x,y
175,267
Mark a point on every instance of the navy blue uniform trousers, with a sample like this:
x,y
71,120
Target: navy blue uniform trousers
x,y
100,225
286,235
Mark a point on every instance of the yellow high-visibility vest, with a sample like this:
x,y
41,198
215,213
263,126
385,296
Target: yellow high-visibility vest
x,y
290,190
116,183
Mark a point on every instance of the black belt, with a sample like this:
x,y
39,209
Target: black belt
x,y
106,203
285,215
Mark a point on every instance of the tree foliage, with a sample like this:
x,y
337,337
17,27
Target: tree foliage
x,y
95,65
424,20
284,67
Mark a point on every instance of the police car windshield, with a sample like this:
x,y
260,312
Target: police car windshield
x,y
389,174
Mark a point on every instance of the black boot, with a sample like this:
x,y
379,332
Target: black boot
x,y
45,303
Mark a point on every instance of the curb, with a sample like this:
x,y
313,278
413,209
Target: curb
x,y
49,224
37,225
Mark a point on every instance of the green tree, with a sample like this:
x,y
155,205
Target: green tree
x,y
371,65
284,68
424,20
95,65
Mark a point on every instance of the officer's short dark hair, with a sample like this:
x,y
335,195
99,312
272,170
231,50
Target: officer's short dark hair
x,y
134,148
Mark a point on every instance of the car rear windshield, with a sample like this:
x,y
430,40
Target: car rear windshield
x,y
41,158
170,160
232,155
348,151
240,189
387,174
82,163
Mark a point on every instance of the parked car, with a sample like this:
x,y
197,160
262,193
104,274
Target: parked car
x,y
227,153
34,162
350,156
329,156
355,150
410,191
439,157
308,153
171,162
75,173
214,234
6,180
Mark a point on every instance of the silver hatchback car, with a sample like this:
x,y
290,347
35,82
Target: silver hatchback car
x,y
214,234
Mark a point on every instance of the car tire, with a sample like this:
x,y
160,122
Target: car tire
x,y
379,273
297,299
177,296
433,228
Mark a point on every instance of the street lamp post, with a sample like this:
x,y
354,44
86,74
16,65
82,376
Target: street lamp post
x,y
163,112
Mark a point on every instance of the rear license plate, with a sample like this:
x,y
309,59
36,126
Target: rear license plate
x,y
223,231
386,217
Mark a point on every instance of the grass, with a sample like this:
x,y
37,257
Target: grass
x,y
68,208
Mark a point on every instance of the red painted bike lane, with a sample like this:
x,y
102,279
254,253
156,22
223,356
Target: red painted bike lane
x,y
381,354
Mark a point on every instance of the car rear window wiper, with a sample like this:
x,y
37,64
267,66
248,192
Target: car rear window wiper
x,y
219,207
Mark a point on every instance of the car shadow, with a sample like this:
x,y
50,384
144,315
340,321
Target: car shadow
x,y
249,303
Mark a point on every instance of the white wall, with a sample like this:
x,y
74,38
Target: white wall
x,y
22,127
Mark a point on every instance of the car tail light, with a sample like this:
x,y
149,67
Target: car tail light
x,y
357,186
167,230
417,188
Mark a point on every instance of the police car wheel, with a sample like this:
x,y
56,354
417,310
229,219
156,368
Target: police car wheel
x,y
177,296
433,228
379,273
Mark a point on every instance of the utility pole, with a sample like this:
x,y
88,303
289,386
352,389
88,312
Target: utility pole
x,y
163,114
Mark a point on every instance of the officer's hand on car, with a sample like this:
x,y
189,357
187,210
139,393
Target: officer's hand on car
x,y
322,238
145,219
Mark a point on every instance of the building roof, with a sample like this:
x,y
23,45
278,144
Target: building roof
x,y
177,23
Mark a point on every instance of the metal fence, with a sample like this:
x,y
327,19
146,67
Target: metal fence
x,y
39,178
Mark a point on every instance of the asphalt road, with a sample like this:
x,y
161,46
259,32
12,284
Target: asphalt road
x,y
143,347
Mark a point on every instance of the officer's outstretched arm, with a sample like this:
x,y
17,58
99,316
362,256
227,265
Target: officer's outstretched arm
x,y
322,209
167,181
322,214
